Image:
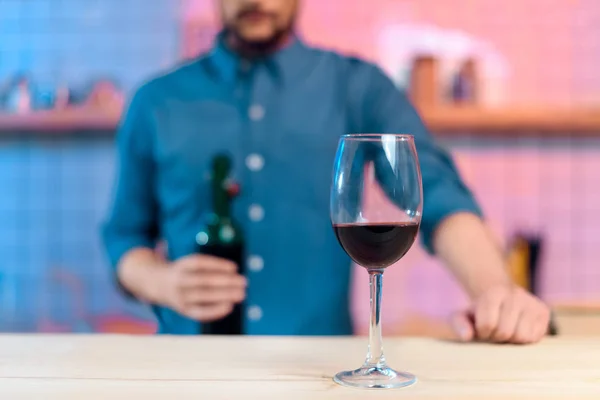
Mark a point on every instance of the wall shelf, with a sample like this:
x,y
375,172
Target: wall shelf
x,y
59,121
445,121
512,122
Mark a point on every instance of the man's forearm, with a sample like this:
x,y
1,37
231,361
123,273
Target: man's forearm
x,y
140,271
467,247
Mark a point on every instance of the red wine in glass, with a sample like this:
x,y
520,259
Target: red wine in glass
x,y
378,245
373,236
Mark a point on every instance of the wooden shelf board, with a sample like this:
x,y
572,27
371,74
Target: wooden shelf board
x,y
67,120
526,121
444,121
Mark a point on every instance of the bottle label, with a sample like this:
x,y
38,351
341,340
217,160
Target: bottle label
x,y
227,233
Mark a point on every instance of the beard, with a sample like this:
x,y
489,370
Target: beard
x,y
258,47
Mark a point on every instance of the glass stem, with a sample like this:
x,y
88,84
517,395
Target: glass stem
x,y
375,355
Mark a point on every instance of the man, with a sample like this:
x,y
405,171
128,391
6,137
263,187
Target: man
x,y
279,107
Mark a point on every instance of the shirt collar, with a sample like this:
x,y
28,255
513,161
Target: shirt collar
x,y
287,63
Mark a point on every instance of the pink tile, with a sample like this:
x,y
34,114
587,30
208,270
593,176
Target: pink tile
x,y
553,58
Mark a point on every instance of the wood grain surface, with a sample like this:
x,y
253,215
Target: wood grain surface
x,y
153,367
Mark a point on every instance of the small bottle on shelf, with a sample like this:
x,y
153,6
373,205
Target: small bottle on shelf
x,y
465,85
424,82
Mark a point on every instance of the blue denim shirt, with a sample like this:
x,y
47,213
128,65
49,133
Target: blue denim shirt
x,y
281,119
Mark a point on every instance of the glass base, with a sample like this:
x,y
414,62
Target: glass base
x,y
375,377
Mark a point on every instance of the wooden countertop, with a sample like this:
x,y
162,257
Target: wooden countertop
x,y
288,368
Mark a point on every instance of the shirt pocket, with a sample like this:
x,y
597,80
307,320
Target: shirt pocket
x,y
191,134
310,132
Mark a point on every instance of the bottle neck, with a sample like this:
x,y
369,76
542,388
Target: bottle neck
x,y
221,200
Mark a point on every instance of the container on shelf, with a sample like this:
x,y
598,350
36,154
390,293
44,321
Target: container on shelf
x,y
19,95
424,81
465,83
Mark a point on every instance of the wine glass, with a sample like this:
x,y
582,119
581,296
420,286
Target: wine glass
x,y
373,236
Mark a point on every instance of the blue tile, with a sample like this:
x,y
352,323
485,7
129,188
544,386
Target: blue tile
x,y
53,195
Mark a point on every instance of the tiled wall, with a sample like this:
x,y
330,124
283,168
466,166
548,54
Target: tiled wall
x,y
541,186
550,47
74,41
53,193
531,52
541,51
52,269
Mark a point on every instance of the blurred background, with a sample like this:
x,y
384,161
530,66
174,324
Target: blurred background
x,y
511,88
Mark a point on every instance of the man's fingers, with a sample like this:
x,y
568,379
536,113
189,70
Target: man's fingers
x,y
204,263
524,331
487,314
229,295
212,280
541,325
462,324
209,312
532,326
510,313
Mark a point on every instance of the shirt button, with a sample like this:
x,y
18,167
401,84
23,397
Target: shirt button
x,y
256,112
256,263
256,212
255,162
255,313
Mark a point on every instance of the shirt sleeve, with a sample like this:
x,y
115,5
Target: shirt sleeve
x,y
388,110
132,215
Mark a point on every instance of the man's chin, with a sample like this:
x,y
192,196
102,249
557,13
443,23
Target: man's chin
x,y
259,41
256,39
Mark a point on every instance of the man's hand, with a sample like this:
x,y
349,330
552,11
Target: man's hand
x,y
504,314
203,288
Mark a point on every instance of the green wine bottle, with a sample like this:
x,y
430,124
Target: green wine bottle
x,y
222,237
